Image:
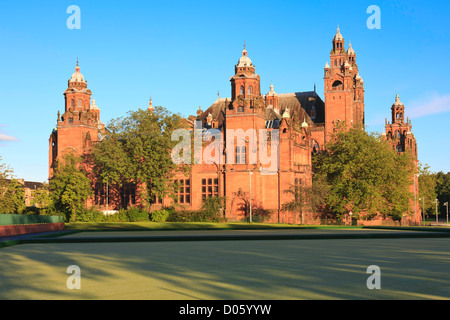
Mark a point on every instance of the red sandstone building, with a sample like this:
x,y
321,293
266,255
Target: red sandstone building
x,y
303,120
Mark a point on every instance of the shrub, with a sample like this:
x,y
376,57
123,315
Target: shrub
x,y
159,215
89,215
136,214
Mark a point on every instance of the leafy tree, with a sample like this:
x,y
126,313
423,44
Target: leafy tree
x,y
42,200
13,198
427,189
213,208
365,176
442,190
306,198
12,194
137,149
69,186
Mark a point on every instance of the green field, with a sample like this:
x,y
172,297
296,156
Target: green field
x,y
292,269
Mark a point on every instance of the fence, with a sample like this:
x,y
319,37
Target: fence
x,y
22,219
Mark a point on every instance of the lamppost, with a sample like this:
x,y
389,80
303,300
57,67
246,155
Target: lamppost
x,y
436,201
250,184
446,205
415,201
423,208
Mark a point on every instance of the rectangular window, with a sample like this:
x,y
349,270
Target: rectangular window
x,y
183,191
100,193
128,194
210,188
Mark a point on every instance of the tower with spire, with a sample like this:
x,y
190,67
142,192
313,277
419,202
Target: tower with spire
x,y
79,126
344,87
398,132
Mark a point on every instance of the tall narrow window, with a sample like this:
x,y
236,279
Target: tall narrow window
x,y
240,155
250,90
128,194
80,103
100,193
242,90
184,191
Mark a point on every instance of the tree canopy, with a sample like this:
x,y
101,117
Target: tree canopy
x,y
137,149
365,176
69,187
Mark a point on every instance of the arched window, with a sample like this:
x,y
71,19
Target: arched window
x,y
73,103
315,146
240,155
250,90
80,103
242,90
337,84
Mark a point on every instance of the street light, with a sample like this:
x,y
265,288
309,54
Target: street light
x,y
446,205
415,201
249,182
436,201
423,208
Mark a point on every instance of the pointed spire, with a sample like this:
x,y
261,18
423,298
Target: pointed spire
x,y
150,104
304,124
350,50
271,91
327,66
338,36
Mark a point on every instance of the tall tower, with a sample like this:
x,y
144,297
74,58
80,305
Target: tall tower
x,y
79,126
399,135
399,132
344,87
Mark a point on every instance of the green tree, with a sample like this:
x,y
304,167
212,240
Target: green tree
x,y
13,198
307,198
138,149
213,208
43,200
442,190
69,186
427,190
365,176
12,194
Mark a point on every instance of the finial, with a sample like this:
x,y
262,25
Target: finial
x,y
244,44
150,104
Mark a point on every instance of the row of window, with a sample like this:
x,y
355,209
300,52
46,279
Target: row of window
x,y
210,188
249,90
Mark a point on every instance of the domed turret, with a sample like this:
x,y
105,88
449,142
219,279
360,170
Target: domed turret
x,y
77,76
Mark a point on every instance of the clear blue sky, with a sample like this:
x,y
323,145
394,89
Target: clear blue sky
x,y
183,52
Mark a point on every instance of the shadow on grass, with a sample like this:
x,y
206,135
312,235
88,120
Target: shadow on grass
x,y
228,270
